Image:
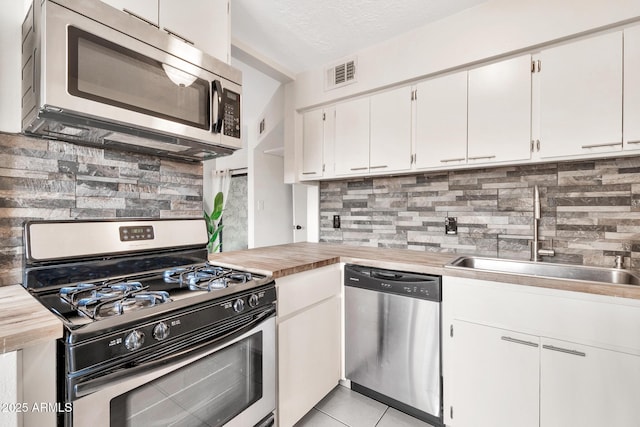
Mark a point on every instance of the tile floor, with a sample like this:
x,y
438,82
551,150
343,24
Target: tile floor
x,y
344,407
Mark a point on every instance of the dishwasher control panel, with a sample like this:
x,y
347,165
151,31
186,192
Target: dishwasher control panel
x,y
414,285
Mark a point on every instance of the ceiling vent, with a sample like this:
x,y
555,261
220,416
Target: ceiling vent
x,y
341,74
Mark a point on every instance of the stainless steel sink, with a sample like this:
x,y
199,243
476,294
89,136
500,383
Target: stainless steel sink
x,y
544,269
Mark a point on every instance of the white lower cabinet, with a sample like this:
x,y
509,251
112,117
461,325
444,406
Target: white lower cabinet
x,y
309,340
522,356
496,377
588,386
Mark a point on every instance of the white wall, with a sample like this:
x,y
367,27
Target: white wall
x,y
489,30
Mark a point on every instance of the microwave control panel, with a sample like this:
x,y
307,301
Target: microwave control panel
x,y
231,121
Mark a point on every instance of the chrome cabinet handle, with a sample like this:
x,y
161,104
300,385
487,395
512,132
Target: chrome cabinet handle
x,y
308,173
135,15
174,34
517,341
482,157
609,144
378,167
564,350
461,159
634,142
360,169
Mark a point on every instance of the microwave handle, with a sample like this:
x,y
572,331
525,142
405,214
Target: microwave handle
x,y
91,386
216,126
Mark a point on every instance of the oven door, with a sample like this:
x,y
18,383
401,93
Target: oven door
x,y
230,382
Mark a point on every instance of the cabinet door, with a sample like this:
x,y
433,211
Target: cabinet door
x,y
631,121
495,377
581,97
352,137
328,144
203,22
390,144
500,111
312,144
147,9
441,121
308,358
587,386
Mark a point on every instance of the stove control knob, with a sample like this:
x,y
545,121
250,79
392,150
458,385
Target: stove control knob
x,y
238,305
253,300
161,331
134,340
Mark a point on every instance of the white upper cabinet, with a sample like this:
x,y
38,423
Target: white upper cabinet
x,y
206,23
441,122
631,122
318,129
147,9
390,143
203,23
581,97
352,137
312,141
500,111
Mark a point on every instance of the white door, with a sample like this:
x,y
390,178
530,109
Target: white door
x,y
495,377
581,97
441,122
390,144
631,122
588,386
299,212
352,137
312,144
500,111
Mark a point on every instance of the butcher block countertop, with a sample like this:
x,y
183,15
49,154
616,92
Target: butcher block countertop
x,y
283,260
24,321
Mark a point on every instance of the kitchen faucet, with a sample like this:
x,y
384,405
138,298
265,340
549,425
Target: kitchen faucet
x,y
536,252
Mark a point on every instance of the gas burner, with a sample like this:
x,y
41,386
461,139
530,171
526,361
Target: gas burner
x,y
100,309
98,301
205,277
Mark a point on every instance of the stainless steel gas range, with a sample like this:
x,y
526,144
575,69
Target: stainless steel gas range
x,y
155,335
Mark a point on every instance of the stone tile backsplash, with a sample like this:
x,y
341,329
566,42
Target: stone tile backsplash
x,y
590,211
41,179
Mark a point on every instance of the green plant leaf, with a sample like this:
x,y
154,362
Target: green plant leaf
x,y
217,206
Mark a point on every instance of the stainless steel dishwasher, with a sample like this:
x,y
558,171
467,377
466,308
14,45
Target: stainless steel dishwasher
x,y
392,341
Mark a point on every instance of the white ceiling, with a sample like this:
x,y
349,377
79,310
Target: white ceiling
x,y
305,34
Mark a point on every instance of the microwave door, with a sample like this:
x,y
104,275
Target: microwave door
x,y
109,75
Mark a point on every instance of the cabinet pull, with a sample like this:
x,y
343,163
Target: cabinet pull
x,y
360,169
482,157
174,34
609,144
378,167
634,142
539,63
461,159
135,15
308,173
564,350
517,341
537,145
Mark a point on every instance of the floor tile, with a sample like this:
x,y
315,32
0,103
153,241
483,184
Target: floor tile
x,y
315,418
351,408
395,418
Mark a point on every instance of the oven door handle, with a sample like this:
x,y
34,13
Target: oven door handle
x,y
91,386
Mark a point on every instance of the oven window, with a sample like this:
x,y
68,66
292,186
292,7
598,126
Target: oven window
x,y
208,392
105,72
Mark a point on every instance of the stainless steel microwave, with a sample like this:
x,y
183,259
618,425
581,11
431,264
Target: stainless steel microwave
x,y
94,75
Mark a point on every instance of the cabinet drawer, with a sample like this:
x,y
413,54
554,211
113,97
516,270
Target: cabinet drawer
x,y
301,290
